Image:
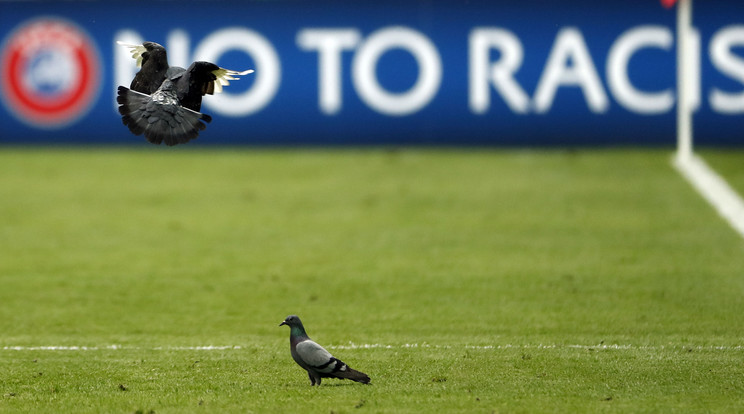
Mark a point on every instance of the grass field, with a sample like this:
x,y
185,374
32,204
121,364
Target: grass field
x,y
459,280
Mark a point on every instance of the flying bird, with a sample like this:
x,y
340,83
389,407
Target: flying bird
x,y
164,102
314,359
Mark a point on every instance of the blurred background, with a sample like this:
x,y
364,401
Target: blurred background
x,y
494,73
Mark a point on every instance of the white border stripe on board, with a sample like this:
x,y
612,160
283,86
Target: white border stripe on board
x,y
714,189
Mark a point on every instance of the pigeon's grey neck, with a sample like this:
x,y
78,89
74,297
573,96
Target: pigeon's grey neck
x,y
297,331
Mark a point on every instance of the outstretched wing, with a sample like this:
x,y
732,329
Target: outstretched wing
x,y
199,79
152,59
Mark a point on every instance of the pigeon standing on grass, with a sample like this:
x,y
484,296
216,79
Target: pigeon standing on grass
x,y
314,359
163,102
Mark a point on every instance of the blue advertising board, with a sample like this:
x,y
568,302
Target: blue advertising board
x,y
528,72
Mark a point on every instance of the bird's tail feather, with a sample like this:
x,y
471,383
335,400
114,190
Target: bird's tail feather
x,y
173,125
131,107
354,375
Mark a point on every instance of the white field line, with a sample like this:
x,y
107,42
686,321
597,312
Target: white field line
x,y
352,345
118,347
714,189
544,346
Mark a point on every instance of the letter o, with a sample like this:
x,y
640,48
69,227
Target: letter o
x,y
268,69
364,68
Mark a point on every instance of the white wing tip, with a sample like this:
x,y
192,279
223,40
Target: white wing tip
x,y
229,72
135,50
125,44
245,72
224,76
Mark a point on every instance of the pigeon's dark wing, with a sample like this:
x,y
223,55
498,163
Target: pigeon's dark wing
x,y
314,355
152,60
159,116
202,78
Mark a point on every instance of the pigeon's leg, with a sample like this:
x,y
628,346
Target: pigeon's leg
x,y
314,378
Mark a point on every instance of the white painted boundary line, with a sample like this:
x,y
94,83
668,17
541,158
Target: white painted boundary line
x,y
352,345
714,189
545,346
710,185
119,347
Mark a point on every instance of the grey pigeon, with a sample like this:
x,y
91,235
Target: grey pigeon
x,y
163,102
314,359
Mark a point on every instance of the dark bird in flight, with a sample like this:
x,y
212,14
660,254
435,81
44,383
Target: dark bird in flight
x,y
314,359
164,102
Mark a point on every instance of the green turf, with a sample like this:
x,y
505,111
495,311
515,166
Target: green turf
x,y
727,164
481,281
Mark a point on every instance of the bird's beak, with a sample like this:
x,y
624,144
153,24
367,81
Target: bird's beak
x,y
283,323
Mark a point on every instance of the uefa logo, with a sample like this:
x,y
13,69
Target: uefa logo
x,y
50,73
